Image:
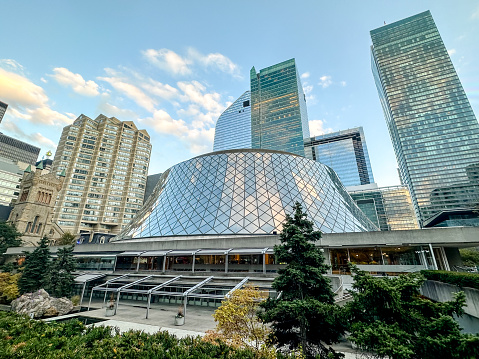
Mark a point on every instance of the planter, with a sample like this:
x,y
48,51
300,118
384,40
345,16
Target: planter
x,y
179,320
110,312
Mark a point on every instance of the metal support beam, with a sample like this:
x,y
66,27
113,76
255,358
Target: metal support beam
x,y
118,290
82,293
150,291
237,286
195,287
434,262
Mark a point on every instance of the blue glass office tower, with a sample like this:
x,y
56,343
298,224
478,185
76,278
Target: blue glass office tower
x,y
233,128
279,120
431,123
345,152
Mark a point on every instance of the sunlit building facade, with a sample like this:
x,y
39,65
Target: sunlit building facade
x,y
389,208
345,152
106,166
279,119
233,128
434,131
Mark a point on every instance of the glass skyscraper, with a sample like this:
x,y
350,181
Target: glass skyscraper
x,y
233,128
431,123
279,120
345,152
389,208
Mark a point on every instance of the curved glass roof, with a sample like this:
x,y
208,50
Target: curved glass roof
x,y
245,192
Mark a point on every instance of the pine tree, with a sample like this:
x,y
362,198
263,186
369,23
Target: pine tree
x,y
305,316
389,317
9,237
36,269
60,279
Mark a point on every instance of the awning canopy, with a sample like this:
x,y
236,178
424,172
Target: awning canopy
x,y
88,277
130,254
155,253
212,252
247,251
178,253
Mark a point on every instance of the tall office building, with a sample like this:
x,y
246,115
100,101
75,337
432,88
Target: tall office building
x,y
16,150
431,123
10,176
106,165
345,152
389,208
3,108
279,120
233,128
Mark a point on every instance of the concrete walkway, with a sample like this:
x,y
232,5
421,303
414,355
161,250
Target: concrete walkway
x,y
161,318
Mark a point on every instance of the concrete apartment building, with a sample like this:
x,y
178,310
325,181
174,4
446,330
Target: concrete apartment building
x,y
106,166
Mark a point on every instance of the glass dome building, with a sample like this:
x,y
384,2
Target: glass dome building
x,y
246,191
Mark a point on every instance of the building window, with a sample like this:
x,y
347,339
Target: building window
x,y
29,225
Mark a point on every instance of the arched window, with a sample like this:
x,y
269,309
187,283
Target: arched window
x,y
39,228
34,224
29,225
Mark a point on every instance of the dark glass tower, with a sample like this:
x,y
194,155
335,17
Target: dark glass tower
x,y
345,152
279,120
431,123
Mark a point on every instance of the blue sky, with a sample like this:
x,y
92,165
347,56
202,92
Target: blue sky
x,y
173,67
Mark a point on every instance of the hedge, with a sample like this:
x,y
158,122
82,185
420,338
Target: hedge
x,y
460,279
21,337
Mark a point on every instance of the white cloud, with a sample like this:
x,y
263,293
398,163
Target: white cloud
x,y
305,75
193,92
42,79
215,60
475,14
28,101
176,64
67,78
451,52
12,65
343,83
122,85
163,91
197,139
308,89
316,128
168,60
110,110
325,81
36,138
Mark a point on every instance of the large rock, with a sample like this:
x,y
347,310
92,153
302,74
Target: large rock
x,y
40,304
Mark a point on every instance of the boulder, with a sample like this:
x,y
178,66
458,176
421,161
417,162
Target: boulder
x,y
40,304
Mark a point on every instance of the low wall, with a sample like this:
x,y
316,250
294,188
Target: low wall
x,y
443,292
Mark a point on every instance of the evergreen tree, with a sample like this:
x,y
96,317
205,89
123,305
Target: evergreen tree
x,y
67,239
305,316
9,237
60,279
36,269
388,316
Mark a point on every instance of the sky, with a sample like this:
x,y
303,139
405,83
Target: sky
x,y
173,67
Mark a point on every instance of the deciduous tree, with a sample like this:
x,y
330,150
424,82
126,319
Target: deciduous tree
x,y
238,324
305,315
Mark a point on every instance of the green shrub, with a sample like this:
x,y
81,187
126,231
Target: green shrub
x,y
24,338
460,279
